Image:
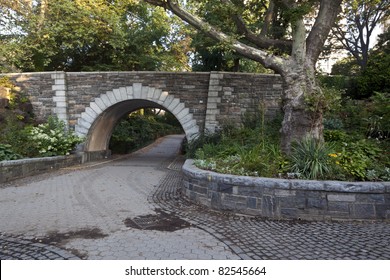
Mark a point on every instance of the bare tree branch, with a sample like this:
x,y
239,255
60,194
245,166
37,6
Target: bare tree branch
x,y
268,18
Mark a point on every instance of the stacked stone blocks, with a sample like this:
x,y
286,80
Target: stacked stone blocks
x,y
288,199
11,170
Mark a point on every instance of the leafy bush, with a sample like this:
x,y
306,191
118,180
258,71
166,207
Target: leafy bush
x,y
378,174
363,118
335,135
249,151
310,159
356,157
52,138
15,133
333,123
377,121
6,153
202,141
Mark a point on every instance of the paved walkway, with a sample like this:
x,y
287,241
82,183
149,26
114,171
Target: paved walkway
x,y
131,208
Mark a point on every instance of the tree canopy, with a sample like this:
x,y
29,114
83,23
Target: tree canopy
x,y
89,35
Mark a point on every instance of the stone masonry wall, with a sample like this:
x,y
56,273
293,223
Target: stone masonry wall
x,y
232,95
212,98
38,87
11,170
287,199
84,87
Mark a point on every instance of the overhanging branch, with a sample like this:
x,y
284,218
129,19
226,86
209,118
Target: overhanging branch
x,y
269,60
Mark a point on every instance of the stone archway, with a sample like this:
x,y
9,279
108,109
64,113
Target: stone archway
x,y
98,120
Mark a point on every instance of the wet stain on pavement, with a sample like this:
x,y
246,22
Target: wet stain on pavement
x,y
54,238
161,221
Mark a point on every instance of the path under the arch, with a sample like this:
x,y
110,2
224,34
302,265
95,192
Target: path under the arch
x,y
131,208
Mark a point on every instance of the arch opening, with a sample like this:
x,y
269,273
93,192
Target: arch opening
x,y
98,120
138,128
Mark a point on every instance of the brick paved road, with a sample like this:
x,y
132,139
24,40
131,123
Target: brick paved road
x,y
132,209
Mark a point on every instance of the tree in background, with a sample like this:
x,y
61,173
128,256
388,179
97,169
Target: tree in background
x,y
367,68
292,52
356,25
375,78
79,35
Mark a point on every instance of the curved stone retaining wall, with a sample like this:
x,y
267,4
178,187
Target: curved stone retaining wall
x,y
287,199
14,169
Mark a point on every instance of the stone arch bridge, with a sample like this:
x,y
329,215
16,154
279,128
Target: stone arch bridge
x,y
91,103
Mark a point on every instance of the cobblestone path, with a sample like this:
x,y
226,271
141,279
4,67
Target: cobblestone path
x,y
132,208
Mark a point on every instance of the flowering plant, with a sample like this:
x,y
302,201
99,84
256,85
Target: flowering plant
x,y
52,138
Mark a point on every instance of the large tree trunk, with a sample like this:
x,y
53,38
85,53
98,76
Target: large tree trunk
x,y
303,113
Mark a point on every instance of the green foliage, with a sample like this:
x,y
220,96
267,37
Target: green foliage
x,y
374,78
48,139
356,157
14,133
254,151
52,138
138,130
266,161
378,116
310,159
345,67
203,140
6,153
326,99
369,118
249,151
91,35
378,174
361,138
334,135
333,123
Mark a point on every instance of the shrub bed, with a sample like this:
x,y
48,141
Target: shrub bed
x,y
356,147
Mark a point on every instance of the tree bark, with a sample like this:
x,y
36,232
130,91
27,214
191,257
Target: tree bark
x,y
301,118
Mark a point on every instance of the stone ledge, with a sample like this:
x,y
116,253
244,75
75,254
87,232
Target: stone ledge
x,y
14,169
287,199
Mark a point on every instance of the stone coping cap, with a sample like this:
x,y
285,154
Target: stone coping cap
x,y
22,161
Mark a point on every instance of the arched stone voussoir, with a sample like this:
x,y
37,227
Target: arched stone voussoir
x,y
95,108
171,107
111,97
81,131
107,102
137,90
82,122
99,102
